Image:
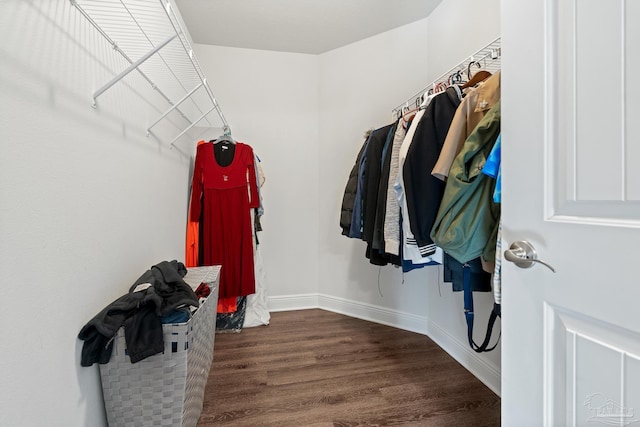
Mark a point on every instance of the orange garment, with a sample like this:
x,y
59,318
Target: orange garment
x,y
191,250
228,305
191,247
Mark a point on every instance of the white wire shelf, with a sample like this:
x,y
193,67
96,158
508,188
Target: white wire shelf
x,y
487,58
149,36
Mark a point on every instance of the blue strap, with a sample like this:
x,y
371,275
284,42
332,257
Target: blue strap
x,y
468,314
468,301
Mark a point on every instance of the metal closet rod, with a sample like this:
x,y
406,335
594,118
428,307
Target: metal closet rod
x,y
495,44
132,16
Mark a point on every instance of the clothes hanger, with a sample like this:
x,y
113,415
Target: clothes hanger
x,y
423,99
408,115
478,77
455,78
441,87
458,91
225,137
476,63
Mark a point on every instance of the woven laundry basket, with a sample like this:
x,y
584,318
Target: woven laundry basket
x,y
166,389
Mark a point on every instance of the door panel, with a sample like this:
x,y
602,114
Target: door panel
x,y
590,117
597,379
571,187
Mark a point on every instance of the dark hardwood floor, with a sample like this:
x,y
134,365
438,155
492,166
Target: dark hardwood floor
x,y
314,368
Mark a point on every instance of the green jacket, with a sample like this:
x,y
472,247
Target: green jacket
x,y
467,222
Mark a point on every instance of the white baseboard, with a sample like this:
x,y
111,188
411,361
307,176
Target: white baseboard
x,y
374,313
468,358
459,350
292,302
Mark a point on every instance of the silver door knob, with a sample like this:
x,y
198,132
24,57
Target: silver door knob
x,y
524,255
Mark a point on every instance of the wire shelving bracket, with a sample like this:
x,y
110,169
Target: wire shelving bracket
x,y
148,30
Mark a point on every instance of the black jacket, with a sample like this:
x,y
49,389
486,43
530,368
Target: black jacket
x,y
378,229
423,191
349,198
372,181
140,313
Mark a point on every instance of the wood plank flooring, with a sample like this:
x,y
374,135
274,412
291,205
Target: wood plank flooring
x,y
314,368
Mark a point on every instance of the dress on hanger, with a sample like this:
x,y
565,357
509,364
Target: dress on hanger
x,y
221,175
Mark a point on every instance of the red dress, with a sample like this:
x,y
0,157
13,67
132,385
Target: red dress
x,y
225,194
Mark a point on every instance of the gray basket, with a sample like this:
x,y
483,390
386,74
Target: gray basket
x,y
166,389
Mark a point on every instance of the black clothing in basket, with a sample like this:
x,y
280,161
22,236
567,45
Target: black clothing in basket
x,y
140,314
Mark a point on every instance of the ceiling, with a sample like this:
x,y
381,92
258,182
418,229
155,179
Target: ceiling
x,y
302,26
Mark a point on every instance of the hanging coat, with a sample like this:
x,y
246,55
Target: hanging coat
x,y
467,221
349,198
423,191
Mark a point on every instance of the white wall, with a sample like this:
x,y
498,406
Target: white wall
x,y
87,204
360,84
458,28
271,101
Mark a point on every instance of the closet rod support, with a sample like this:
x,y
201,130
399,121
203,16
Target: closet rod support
x,y
173,107
192,125
175,22
130,68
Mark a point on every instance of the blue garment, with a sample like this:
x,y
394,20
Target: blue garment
x,y
493,169
407,264
356,220
387,144
176,316
255,163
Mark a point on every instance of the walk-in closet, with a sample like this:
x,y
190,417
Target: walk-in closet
x,y
302,213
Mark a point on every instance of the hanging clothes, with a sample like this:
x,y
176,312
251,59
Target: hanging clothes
x,y
350,193
467,222
257,306
372,180
410,253
391,227
192,247
475,105
221,175
423,192
355,229
409,248
383,184
194,252
493,169
421,218
373,205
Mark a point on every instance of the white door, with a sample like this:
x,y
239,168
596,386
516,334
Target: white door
x,y
571,188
